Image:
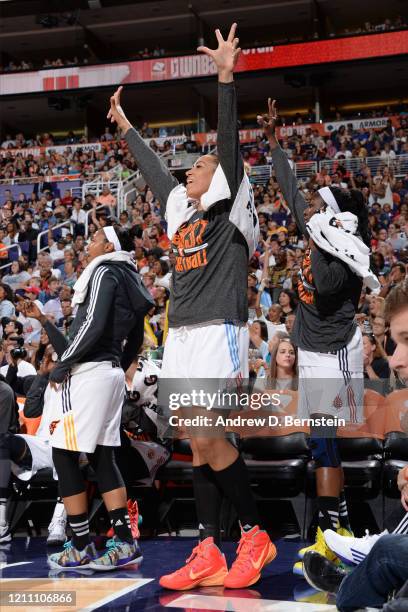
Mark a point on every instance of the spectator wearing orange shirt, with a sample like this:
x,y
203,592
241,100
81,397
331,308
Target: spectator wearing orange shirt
x,y
108,200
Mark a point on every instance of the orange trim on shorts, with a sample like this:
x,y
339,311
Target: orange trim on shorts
x,y
71,416
70,434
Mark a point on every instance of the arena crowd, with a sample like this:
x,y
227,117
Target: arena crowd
x,y
37,286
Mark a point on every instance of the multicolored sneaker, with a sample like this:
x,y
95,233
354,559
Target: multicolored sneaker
x,y
321,547
134,518
71,557
206,566
118,554
255,550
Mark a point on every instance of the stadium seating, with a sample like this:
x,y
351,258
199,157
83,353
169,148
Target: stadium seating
x,y
280,467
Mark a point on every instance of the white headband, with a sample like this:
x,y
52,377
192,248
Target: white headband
x,y
328,197
112,237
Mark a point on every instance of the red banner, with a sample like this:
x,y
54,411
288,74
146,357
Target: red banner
x,y
195,66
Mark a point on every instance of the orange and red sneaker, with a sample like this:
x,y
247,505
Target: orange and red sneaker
x,y
133,511
255,550
206,566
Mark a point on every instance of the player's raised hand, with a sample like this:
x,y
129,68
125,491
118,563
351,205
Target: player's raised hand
x,y
268,121
116,112
226,55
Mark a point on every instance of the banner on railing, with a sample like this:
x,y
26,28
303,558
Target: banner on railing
x,y
324,129
60,149
160,140
194,66
370,123
34,151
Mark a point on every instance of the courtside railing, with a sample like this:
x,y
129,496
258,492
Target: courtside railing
x,y
398,165
8,247
67,223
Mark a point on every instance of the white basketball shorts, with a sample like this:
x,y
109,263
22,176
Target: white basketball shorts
x,y
213,350
41,453
87,407
333,383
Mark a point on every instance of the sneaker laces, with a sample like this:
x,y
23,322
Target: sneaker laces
x,y
112,549
67,547
245,547
197,553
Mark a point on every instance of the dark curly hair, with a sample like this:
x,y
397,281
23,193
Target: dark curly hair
x,y
352,200
9,295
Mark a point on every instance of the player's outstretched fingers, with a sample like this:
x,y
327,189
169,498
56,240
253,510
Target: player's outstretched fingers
x,y
232,31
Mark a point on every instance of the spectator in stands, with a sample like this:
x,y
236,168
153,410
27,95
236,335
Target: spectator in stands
x,y
6,302
382,337
376,368
396,276
78,217
69,275
11,327
108,200
283,364
162,272
18,277
106,136
15,353
287,302
65,321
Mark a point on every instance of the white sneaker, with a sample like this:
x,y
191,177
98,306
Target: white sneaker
x,y
351,550
57,527
5,535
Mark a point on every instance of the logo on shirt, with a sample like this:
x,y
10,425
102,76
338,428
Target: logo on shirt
x,y
189,246
53,425
305,283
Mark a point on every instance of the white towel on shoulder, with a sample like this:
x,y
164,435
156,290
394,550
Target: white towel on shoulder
x,y
81,286
342,242
243,214
180,208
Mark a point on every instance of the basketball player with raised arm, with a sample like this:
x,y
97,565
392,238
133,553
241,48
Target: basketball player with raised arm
x,y
328,339
213,227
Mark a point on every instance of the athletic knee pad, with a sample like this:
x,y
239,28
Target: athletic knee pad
x,y
325,452
70,478
107,472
